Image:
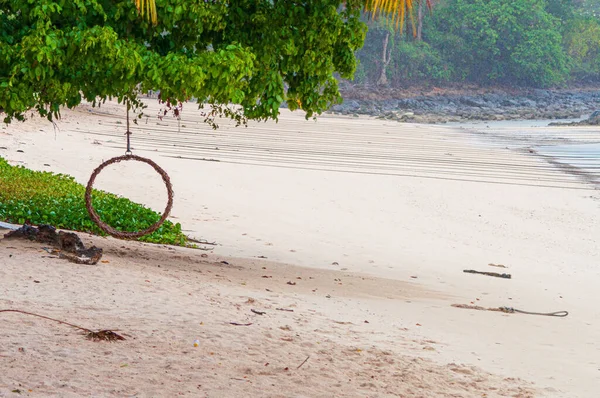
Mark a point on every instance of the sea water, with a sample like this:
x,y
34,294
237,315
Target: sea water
x,y
584,156
569,145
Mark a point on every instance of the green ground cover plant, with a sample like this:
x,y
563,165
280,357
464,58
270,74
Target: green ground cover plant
x,y
40,197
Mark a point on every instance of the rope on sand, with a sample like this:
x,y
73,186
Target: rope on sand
x,y
511,310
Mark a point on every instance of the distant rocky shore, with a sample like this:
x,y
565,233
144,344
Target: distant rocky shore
x,y
452,105
593,120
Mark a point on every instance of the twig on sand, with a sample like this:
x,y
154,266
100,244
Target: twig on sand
x,y
284,309
240,324
202,241
258,312
106,335
299,366
497,275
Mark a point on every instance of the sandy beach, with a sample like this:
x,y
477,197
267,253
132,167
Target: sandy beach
x,y
371,222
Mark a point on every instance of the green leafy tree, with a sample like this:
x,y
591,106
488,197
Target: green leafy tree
x,y
516,42
582,43
257,54
253,53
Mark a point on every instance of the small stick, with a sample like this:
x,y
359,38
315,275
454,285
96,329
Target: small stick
x,y
497,275
51,319
284,309
299,366
108,335
240,324
258,312
202,241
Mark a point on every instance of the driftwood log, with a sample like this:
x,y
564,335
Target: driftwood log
x,y
68,245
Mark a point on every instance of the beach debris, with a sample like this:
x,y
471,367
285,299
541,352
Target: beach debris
x,y
342,323
510,310
258,312
202,241
261,257
284,309
69,245
495,274
240,324
291,283
196,343
299,366
104,335
497,265
100,335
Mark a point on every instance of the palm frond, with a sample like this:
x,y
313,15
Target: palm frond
x,y
148,8
395,11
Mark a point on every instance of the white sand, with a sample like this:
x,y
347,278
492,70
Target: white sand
x,y
345,194
164,299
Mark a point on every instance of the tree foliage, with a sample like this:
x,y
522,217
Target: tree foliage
x,y
256,54
516,41
537,43
582,43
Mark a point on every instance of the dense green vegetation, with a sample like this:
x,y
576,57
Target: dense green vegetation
x,y
531,43
57,199
255,53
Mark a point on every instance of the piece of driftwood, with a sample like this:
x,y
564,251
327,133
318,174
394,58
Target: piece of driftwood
x,y
69,246
494,274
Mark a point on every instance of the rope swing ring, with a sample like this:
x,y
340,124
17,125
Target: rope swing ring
x,y
107,228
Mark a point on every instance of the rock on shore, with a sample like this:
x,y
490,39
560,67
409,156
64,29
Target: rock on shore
x,y
441,106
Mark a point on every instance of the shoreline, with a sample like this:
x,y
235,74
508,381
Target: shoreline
x,y
451,105
574,150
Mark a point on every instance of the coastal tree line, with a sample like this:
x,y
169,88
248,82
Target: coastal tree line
x,y
531,43
260,54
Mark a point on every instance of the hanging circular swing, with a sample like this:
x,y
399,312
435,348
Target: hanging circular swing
x,y
128,156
